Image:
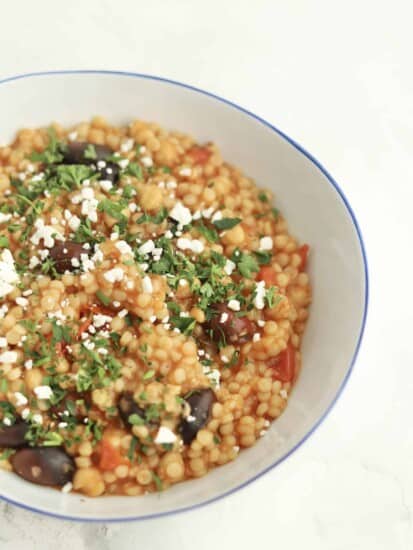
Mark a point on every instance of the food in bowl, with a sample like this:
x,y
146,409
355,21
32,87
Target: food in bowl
x,y
152,307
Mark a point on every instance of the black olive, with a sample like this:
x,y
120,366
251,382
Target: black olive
x,y
13,436
75,153
44,465
109,172
200,403
226,327
128,406
63,252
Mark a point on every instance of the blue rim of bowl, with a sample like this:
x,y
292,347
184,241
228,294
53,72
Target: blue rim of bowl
x,y
334,184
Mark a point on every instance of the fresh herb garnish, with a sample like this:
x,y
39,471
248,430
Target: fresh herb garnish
x,y
103,298
226,223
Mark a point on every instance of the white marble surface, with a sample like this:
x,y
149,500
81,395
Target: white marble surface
x,y
337,76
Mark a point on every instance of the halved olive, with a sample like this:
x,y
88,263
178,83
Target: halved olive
x,y
226,327
200,403
127,406
75,153
44,465
64,252
13,436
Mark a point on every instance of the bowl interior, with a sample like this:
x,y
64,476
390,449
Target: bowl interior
x,y
316,212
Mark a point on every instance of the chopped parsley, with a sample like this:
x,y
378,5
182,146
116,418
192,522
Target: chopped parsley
x,y
103,298
226,223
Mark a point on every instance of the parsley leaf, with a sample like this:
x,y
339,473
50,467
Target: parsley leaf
x,y
246,264
226,223
90,152
210,234
4,242
52,153
133,169
103,298
185,324
157,218
263,257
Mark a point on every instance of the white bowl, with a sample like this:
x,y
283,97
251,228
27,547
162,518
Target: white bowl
x,y
317,213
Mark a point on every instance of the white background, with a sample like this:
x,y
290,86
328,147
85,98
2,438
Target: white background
x,y
338,77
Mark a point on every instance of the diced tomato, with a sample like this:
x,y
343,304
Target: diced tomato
x,y
110,457
283,366
267,274
60,348
83,327
200,155
303,253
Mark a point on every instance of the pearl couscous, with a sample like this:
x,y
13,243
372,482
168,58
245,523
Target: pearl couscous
x,y
152,305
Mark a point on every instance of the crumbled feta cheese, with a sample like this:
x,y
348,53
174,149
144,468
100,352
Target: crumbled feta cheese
x,y
69,485
213,375
99,320
147,284
132,207
185,171
8,357
34,261
152,318
195,245
3,342
234,305
229,267
20,399
88,343
147,161
261,323
72,136
217,216
23,302
114,275
4,217
165,435
168,234
47,233
43,392
123,313
123,163
123,247
106,185
25,413
256,337
266,243
37,418
223,318
284,393
27,292
127,145
171,184
147,247
28,364
116,304
8,274
260,295
181,214
7,421
224,359
207,212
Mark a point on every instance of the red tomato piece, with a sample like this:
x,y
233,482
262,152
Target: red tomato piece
x,y
283,366
110,457
267,274
200,155
303,253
